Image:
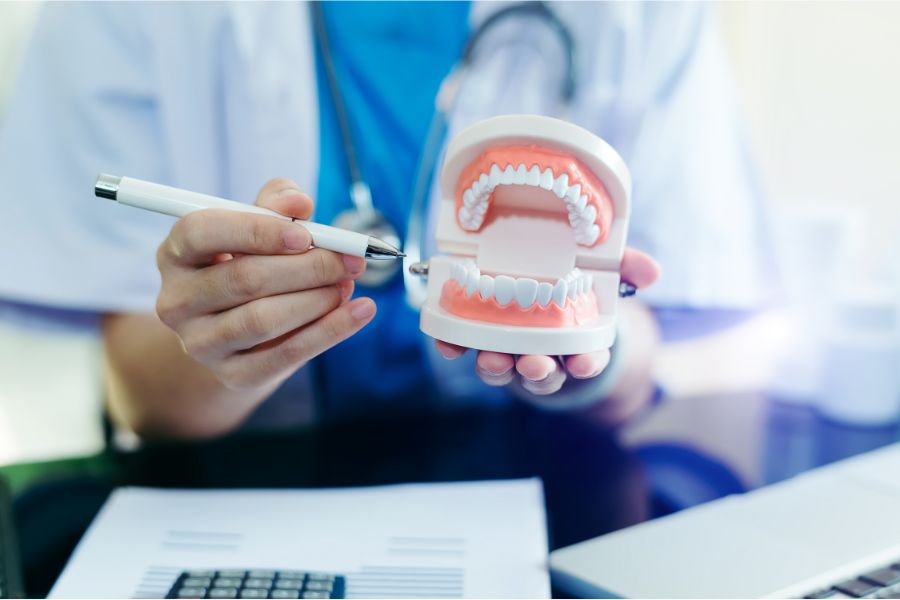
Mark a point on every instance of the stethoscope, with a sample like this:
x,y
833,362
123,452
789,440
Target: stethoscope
x,y
363,216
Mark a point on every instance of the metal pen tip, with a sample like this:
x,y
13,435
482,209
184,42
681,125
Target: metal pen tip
x,y
381,250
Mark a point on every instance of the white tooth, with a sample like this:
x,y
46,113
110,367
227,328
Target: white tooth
x,y
459,273
508,175
468,198
560,290
561,185
573,193
544,291
589,213
573,290
586,234
463,275
547,179
534,176
590,283
494,177
526,291
477,188
521,174
479,209
486,286
465,214
582,202
574,219
504,289
580,284
472,278
484,182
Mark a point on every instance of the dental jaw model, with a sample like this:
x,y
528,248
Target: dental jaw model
x,y
533,220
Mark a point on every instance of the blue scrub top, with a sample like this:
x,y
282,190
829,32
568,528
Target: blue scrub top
x,y
390,58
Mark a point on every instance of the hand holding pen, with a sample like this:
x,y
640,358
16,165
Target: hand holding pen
x,y
247,294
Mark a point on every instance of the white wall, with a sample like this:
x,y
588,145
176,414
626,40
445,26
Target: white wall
x,y
821,85
16,20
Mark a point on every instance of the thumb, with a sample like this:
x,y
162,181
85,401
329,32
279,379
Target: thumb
x,y
639,268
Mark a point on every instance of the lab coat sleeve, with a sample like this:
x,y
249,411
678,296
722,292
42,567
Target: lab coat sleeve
x,y
84,103
671,109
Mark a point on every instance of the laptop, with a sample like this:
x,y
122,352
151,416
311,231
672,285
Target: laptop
x,y
833,532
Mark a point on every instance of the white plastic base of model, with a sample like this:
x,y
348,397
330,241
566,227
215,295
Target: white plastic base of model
x,y
552,341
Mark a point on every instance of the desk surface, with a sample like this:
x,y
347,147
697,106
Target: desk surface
x,y
686,451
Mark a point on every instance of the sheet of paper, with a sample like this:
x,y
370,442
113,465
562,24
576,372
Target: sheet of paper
x,y
447,540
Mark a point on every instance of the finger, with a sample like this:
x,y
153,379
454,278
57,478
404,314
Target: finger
x,y
585,366
536,367
198,238
286,354
638,268
540,375
284,197
495,368
347,288
232,283
260,321
449,351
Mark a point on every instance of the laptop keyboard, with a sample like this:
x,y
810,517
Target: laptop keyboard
x,y
880,583
257,584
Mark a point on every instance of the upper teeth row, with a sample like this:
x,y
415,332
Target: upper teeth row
x,y
582,215
524,290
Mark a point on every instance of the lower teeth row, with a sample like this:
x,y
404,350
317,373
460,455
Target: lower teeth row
x,y
524,290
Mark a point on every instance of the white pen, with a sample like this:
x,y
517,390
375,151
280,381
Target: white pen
x,y
178,203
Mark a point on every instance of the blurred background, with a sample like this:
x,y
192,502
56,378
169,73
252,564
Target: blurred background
x,y
819,85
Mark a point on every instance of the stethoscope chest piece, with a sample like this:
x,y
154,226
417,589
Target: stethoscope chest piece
x,y
374,224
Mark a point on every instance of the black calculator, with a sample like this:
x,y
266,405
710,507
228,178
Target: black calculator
x,y
257,583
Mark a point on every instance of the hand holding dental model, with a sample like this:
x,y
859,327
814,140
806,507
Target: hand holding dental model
x,y
533,220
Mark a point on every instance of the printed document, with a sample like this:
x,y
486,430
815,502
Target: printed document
x,y
446,540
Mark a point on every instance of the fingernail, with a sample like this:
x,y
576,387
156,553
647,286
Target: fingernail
x,y
346,288
494,372
296,238
288,191
354,264
362,309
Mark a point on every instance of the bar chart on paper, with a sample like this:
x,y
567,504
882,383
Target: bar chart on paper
x,y
484,539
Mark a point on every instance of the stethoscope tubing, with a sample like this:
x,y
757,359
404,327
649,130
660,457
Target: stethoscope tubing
x,y
445,101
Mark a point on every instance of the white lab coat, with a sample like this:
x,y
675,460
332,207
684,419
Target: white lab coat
x,y
219,98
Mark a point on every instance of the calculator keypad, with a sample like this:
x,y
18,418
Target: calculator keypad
x,y
257,583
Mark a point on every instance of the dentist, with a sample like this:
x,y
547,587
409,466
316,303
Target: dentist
x,y
227,320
